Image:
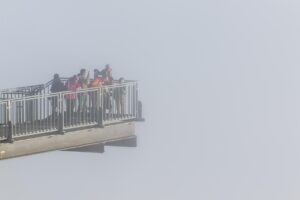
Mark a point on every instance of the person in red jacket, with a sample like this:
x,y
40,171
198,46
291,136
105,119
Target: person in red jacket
x,y
97,81
94,95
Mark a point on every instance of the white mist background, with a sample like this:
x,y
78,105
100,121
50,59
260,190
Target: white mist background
x,y
219,81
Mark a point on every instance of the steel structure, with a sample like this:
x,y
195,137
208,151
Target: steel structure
x,y
35,111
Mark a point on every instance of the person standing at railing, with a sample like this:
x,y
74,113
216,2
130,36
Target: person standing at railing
x,y
106,74
57,86
94,95
71,85
83,80
97,81
119,94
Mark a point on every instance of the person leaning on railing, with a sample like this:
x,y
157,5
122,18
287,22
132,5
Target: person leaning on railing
x,y
107,75
57,86
94,96
83,80
72,86
97,81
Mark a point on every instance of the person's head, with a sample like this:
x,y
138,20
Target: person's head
x,y
82,72
56,76
108,68
121,80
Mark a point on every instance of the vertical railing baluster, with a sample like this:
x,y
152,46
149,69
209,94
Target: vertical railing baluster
x,y
10,126
61,113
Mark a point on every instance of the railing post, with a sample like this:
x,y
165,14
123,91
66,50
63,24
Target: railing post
x,y
139,106
136,98
61,115
100,117
9,133
140,112
9,123
100,109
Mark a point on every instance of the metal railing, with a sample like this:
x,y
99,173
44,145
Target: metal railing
x,y
3,120
19,92
40,89
119,103
59,112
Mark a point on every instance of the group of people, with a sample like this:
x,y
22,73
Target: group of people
x,y
83,81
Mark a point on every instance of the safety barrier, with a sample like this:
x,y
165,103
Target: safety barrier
x,y
19,92
60,112
3,120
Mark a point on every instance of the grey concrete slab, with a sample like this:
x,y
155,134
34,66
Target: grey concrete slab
x,y
69,140
94,148
128,142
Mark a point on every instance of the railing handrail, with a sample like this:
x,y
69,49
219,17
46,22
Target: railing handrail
x,y
49,83
39,88
70,92
20,90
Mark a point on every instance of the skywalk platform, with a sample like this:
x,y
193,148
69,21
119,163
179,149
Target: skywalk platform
x,y
35,120
85,140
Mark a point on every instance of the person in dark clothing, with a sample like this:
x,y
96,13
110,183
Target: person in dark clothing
x,y
107,75
57,86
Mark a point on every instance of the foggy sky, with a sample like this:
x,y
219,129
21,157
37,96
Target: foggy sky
x,y
219,81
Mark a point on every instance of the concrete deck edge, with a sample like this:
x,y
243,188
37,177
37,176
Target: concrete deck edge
x,y
68,140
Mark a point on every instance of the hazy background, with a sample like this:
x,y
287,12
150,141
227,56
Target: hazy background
x,y
219,80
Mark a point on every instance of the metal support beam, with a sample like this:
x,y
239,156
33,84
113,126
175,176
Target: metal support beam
x,y
95,148
128,142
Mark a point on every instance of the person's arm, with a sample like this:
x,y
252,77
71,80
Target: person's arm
x,y
62,87
67,85
53,87
87,78
123,90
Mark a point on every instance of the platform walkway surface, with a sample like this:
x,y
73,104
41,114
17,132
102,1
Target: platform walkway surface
x,y
68,140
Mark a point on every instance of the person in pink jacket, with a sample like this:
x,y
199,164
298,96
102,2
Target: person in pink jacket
x,y
71,85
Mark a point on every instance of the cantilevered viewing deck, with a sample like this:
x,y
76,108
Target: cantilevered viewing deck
x,y
34,120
